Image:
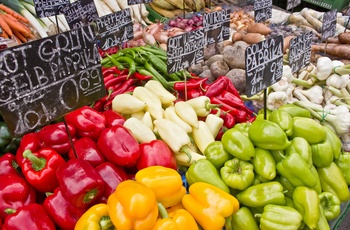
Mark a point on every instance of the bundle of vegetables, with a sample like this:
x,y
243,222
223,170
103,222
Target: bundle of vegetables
x,y
174,8
286,171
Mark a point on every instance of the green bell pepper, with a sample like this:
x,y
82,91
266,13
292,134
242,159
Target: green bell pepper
x,y
237,173
243,219
318,187
307,202
243,127
217,154
268,135
278,155
330,204
238,144
322,223
301,146
204,171
333,181
289,202
278,217
283,119
295,169
8,144
264,164
288,188
309,129
322,153
262,194
336,142
343,163
295,111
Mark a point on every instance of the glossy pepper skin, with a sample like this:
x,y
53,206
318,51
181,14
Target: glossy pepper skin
x,y
119,146
128,213
277,217
237,174
283,119
87,121
95,218
309,129
330,204
295,111
204,171
87,149
302,147
80,182
156,152
8,144
322,153
40,168
8,164
32,216
61,211
180,219
287,186
307,202
262,194
166,183
29,141
264,164
113,118
112,176
333,181
336,142
209,205
15,192
243,220
55,136
295,169
217,154
343,163
238,144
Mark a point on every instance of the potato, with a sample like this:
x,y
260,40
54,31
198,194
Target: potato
x,y
209,51
258,28
221,45
344,37
219,68
207,73
253,38
286,42
237,36
238,79
196,69
212,59
234,55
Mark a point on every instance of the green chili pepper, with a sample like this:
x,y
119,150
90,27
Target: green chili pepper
x,y
154,50
157,63
264,164
157,75
217,154
131,63
237,174
115,62
244,220
330,205
238,144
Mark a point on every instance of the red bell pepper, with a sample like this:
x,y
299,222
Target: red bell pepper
x,y
156,152
112,176
119,146
29,141
40,168
113,118
87,121
15,192
61,211
80,182
8,164
87,149
32,216
55,136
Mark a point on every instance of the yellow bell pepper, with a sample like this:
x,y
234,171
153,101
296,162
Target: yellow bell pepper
x,y
166,183
209,205
180,219
132,206
95,218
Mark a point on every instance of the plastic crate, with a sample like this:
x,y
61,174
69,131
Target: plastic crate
x,y
330,4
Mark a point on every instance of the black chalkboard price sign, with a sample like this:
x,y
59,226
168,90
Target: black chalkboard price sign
x,y
42,80
262,10
264,65
115,28
185,50
329,23
292,3
47,8
217,26
80,13
300,51
135,2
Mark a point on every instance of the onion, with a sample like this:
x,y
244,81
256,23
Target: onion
x,y
189,28
178,19
161,37
195,18
163,46
155,28
172,23
181,25
137,35
148,38
199,23
175,31
190,22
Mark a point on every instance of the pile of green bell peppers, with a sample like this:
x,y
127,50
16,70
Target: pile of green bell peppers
x,y
288,171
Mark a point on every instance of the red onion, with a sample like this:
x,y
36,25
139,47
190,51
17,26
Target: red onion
x,y
172,23
178,19
189,28
181,25
190,22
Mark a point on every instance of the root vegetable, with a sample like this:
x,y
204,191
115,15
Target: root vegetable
x,y
196,69
209,51
344,37
238,79
219,68
336,50
221,45
237,36
207,73
212,59
259,28
286,43
234,55
253,38
163,46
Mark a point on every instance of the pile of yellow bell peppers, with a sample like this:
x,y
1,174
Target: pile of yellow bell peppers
x,y
158,200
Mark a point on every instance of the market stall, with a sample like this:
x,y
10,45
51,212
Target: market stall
x,y
170,114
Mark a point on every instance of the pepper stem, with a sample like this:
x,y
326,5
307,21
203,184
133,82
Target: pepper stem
x,y
90,195
228,225
38,163
185,149
209,106
106,223
162,211
10,210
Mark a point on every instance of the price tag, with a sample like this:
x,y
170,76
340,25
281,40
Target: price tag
x,y
43,80
300,51
135,2
216,26
80,13
292,3
264,65
47,8
115,28
185,50
329,23
262,10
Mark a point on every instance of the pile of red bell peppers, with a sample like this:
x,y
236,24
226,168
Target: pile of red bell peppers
x,y
50,184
